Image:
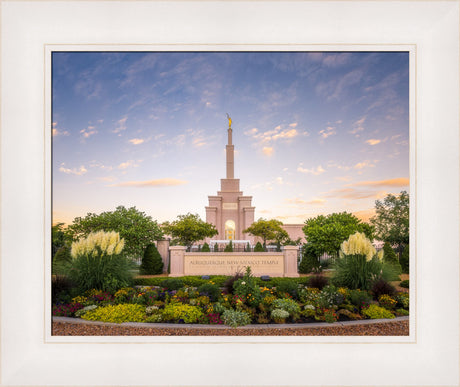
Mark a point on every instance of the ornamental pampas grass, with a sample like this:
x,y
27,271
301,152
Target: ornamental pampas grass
x,y
358,244
98,262
359,265
101,242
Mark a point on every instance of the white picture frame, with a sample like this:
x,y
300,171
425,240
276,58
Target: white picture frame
x,y
31,356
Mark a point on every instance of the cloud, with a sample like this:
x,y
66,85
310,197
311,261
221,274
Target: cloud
x,y
57,132
313,171
329,131
74,171
136,141
373,141
129,163
166,182
398,182
121,125
273,135
358,126
267,151
293,125
363,165
251,132
354,194
302,202
89,131
317,201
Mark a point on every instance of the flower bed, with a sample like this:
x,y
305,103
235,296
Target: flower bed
x,y
241,301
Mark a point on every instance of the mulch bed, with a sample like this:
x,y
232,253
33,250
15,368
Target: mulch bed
x,y
390,328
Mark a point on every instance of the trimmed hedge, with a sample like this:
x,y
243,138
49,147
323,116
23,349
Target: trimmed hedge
x,y
219,280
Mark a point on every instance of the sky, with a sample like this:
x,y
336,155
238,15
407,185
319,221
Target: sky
x,y
314,132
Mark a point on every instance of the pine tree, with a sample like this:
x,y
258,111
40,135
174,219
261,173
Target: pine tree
x,y
310,261
152,263
259,248
229,248
205,248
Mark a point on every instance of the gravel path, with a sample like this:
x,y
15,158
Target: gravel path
x,y
70,327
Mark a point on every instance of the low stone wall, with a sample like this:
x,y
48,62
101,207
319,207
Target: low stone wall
x,y
282,264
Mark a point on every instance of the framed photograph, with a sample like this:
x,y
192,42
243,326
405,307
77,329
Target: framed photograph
x,y
133,103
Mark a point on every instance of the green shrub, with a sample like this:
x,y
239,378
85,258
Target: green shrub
x,y
402,312
155,281
116,313
380,287
330,296
190,280
216,247
235,318
60,260
172,283
403,300
154,318
205,248
404,261
187,313
287,286
318,281
404,284
152,263
247,289
290,306
279,315
259,248
229,248
376,312
360,298
86,309
210,290
310,261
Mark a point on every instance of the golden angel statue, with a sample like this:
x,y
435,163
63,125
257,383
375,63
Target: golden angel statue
x,y
229,121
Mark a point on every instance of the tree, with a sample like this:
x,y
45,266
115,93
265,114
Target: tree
x,y
206,248
59,238
310,261
268,230
188,229
152,263
390,257
325,234
259,248
229,248
391,221
135,227
60,260
404,260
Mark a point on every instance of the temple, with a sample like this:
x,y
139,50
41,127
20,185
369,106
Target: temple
x,y
230,211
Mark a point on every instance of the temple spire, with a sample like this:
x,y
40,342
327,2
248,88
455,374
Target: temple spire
x,y
230,154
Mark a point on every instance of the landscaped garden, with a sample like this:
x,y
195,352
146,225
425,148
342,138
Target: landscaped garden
x,y
100,286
